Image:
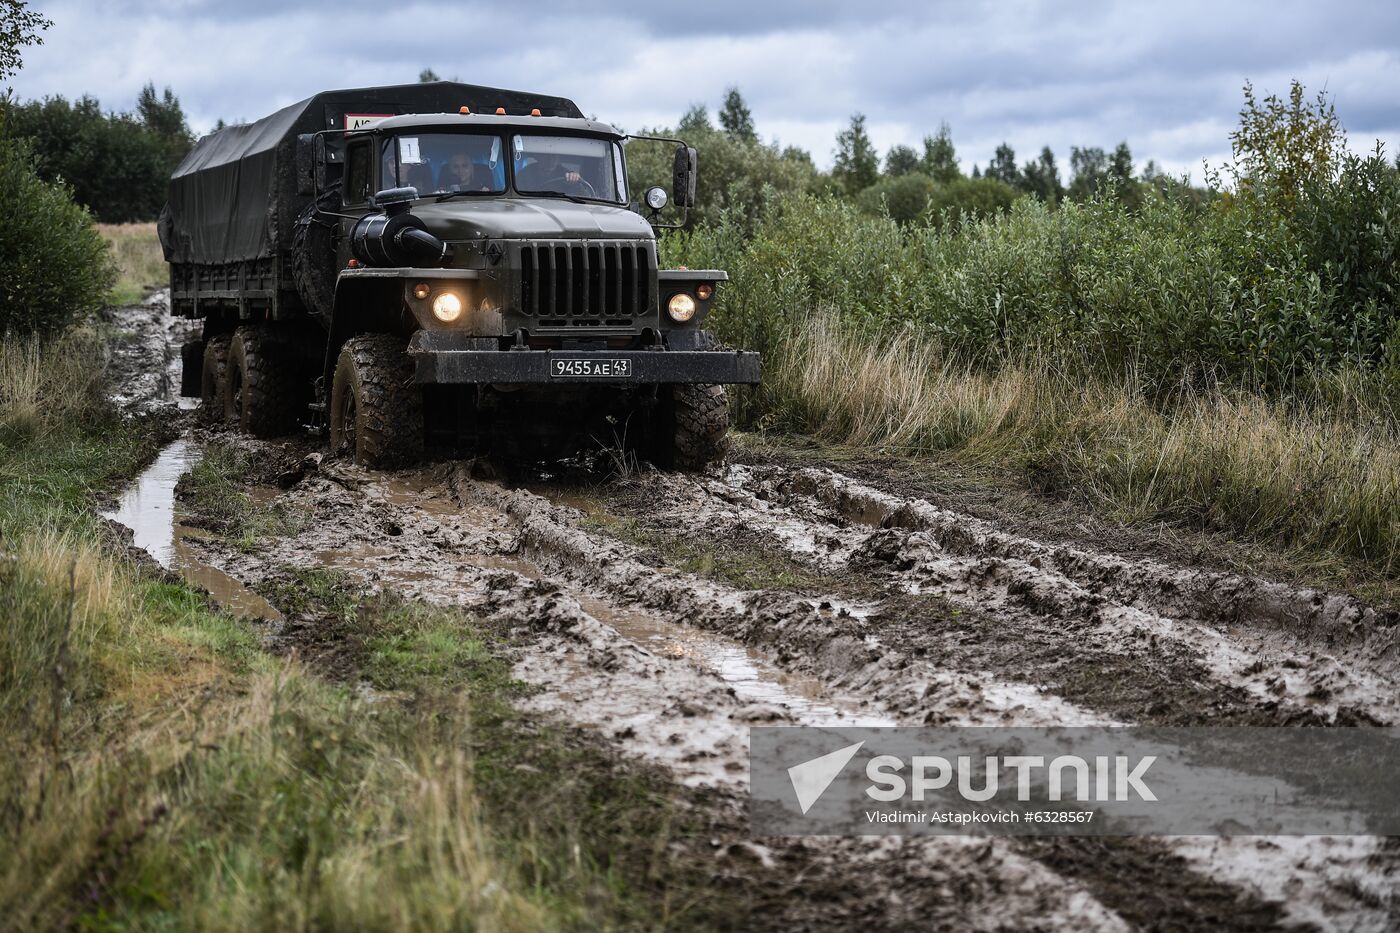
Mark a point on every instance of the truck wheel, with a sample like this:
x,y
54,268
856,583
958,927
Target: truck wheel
x,y
262,386
699,424
376,408
213,381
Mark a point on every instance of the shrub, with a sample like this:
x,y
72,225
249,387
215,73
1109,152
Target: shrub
x,y
739,177
54,267
903,198
914,197
968,198
1171,291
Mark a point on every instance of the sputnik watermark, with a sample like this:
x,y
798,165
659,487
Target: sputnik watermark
x,y
1074,781
1114,778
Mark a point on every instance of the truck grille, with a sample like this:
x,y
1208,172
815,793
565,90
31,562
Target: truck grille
x,y
585,284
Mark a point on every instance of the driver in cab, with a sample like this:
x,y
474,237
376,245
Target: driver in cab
x,y
546,173
460,174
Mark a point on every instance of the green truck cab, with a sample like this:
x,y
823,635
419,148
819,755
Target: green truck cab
x,y
444,265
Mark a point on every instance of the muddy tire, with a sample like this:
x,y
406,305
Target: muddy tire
x,y
376,409
263,393
213,380
699,416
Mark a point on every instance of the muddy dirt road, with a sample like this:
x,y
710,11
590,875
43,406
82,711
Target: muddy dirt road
x,y
669,614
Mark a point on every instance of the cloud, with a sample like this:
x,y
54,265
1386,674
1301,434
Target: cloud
x,y
1166,79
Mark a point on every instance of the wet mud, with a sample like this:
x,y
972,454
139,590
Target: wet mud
x,y
143,355
669,614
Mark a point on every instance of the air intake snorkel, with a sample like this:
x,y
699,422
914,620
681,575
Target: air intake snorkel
x,y
395,237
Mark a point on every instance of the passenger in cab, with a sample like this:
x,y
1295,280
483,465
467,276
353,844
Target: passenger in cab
x,y
415,175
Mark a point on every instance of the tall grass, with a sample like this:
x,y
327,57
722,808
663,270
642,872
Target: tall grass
x,y
140,262
45,384
157,770
267,800
1308,473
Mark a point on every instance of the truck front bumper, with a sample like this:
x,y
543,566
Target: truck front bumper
x,y
564,367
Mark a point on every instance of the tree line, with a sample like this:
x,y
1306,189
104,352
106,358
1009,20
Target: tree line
x,y
116,163
742,173
913,182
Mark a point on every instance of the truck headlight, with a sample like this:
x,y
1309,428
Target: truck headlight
x,y
681,308
656,198
447,307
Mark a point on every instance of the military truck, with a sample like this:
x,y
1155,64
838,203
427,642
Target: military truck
x,y
445,265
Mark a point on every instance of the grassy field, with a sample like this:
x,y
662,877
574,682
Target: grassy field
x,y
159,768
140,263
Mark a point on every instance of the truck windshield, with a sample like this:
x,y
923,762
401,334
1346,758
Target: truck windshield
x,y
437,163
574,166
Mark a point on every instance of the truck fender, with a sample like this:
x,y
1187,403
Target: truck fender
x,y
364,306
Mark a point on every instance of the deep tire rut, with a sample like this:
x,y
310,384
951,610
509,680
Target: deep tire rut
x,y
1207,648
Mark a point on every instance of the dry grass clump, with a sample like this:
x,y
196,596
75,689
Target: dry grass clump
x,y
159,770
60,600
47,383
1313,474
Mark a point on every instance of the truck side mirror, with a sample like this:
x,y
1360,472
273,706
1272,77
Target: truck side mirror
x,y
308,148
683,177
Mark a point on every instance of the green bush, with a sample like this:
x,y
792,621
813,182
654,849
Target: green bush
x,y
1291,274
904,198
1172,292
967,198
55,268
913,197
739,177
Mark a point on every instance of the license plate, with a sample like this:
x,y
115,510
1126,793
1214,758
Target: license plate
x,y
590,368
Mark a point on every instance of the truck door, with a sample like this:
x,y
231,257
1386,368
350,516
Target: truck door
x,y
359,173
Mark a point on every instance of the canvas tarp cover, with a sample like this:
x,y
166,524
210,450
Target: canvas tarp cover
x,y
222,205
234,196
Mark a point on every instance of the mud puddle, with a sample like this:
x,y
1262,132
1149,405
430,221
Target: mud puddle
x,y
147,507
1309,656
678,692
1341,877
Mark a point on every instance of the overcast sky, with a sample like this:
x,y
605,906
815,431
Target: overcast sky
x,y
1164,76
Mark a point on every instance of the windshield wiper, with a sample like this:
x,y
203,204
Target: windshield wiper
x,y
455,194
560,194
